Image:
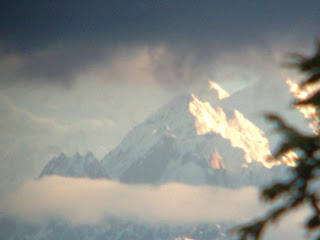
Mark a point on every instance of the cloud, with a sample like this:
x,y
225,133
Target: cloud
x,y
169,67
171,42
65,62
87,201
291,226
10,108
57,63
62,64
146,21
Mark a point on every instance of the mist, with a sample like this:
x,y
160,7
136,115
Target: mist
x,y
87,201
82,201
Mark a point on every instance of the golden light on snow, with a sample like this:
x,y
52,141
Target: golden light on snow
x,y
308,111
221,92
290,157
216,160
239,131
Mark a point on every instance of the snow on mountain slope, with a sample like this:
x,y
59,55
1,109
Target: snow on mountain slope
x,y
166,147
264,97
171,121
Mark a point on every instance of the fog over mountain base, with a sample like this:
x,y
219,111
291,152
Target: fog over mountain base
x,y
63,207
88,201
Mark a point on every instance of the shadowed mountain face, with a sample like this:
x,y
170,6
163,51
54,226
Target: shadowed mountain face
x,y
75,166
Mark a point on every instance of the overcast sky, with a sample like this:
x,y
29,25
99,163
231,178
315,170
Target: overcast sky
x,y
77,75
54,41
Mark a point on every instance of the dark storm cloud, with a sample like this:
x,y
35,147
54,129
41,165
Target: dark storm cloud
x,y
186,28
55,64
28,23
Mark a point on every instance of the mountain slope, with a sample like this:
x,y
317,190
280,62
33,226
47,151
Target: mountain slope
x,y
166,147
75,166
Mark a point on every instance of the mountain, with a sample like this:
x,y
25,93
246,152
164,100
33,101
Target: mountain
x,y
75,166
166,147
265,97
112,229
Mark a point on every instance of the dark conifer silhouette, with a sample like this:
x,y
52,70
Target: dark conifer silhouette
x,y
296,191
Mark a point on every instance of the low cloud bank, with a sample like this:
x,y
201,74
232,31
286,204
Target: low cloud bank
x,y
86,201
